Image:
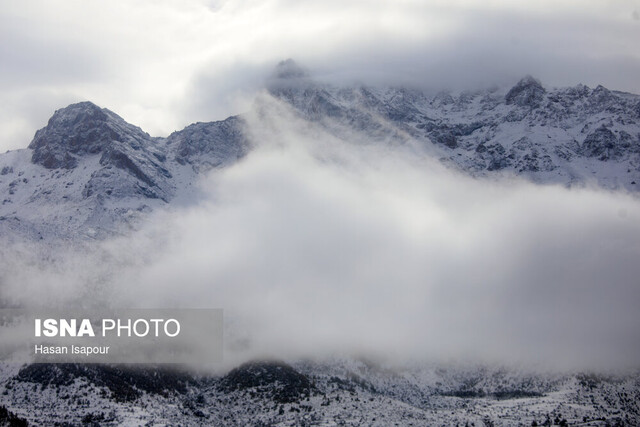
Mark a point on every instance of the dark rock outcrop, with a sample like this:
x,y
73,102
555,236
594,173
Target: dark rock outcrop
x,y
528,92
208,145
601,143
81,129
8,418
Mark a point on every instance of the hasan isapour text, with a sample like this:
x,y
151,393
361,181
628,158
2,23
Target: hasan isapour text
x,y
52,328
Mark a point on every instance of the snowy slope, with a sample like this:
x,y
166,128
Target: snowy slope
x,y
572,136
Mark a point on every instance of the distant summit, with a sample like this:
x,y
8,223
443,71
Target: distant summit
x,y
528,92
80,129
289,69
288,75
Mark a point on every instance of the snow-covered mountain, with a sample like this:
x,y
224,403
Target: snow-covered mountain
x,y
571,136
88,174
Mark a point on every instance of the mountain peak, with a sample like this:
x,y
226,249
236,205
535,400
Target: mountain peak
x,y
86,105
529,80
528,92
287,76
289,69
76,113
78,129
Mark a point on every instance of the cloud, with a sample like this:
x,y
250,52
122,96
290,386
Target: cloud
x,y
164,64
316,245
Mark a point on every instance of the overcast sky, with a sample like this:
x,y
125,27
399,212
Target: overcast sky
x,y
163,64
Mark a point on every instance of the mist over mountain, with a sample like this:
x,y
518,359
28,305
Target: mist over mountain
x,y
496,227
101,172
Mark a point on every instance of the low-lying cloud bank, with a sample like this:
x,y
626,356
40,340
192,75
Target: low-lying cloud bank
x,y
315,246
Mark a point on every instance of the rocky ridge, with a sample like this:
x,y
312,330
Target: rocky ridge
x,y
91,174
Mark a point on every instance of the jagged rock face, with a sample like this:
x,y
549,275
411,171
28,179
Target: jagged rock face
x,y
315,103
80,129
527,130
527,93
446,134
209,145
496,158
601,143
106,172
444,137
600,96
131,163
125,174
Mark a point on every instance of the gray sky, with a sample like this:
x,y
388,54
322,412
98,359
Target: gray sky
x,y
163,64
